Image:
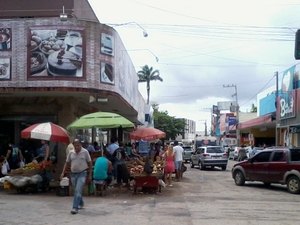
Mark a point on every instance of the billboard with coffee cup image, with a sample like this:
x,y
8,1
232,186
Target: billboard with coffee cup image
x,y
107,44
55,53
107,73
5,68
5,39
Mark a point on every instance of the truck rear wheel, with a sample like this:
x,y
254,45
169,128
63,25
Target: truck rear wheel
x,y
293,184
239,178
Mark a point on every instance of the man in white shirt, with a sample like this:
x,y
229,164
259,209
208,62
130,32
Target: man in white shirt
x,y
178,151
113,146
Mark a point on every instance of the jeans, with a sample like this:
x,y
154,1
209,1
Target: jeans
x,y
122,174
78,181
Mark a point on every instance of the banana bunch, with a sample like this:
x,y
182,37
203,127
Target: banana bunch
x,y
31,166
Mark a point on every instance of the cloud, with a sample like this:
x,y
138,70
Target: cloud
x,y
203,45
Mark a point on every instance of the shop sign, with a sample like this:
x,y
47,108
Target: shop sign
x,y
144,147
294,129
287,96
216,110
231,120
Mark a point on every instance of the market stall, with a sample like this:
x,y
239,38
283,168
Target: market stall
x,y
146,175
33,177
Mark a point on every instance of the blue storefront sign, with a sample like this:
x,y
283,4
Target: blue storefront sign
x,y
231,120
287,95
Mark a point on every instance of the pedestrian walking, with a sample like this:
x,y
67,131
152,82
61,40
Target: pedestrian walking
x,y
178,151
80,163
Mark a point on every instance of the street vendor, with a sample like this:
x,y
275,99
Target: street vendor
x,y
43,152
134,152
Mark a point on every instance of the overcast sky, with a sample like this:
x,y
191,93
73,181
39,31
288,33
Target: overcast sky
x,y
203,45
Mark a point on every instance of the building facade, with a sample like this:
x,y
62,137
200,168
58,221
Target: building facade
x,y
288,108
57,63
278,113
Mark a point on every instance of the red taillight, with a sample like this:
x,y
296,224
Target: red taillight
x,y
205,154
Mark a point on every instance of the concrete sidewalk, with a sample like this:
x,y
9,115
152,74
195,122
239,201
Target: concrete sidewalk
x,y
119,206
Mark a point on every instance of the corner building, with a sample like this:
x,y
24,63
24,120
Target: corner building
x,y
57,67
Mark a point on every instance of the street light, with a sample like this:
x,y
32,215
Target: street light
x,y
144,49
63,16
145,33
236,110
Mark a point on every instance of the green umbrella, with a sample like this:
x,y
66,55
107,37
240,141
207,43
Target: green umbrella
x,y
101,120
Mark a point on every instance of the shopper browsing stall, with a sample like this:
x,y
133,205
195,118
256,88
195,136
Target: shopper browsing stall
x,y
103,169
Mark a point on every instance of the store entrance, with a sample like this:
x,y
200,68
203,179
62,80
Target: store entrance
x,y
11,127
6,134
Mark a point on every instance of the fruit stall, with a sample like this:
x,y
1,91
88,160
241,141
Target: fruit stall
x,y
146,179
33,177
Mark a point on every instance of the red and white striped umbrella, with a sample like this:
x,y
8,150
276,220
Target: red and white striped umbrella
x,y
46,131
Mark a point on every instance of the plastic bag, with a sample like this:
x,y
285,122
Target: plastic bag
x,y
5,168
64,182
21,164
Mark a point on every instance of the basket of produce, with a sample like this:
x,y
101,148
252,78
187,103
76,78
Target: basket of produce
x,y
29,169
136,167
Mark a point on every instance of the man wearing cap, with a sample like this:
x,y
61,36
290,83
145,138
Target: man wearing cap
x,y
80,163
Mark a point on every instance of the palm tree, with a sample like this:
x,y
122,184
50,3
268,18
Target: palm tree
x,y
147,75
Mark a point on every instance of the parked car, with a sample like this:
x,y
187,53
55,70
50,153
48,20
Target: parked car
x,y
272,165
187,152
209,156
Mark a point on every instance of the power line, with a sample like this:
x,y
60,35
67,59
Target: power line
x,y
240,33
198,18
260,90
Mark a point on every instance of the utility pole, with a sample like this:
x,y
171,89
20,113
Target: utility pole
x,y
276,107
205,127
237,109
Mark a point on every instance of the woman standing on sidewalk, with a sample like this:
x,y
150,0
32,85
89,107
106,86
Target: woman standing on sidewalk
x,y
170,166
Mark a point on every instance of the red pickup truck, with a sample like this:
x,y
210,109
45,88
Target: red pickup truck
x,y
272,165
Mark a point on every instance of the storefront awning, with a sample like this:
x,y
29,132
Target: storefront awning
x,y
257,122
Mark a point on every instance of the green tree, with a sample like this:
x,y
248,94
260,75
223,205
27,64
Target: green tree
x,y
169,124
147,75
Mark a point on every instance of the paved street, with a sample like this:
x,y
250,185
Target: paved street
x,y
203,197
